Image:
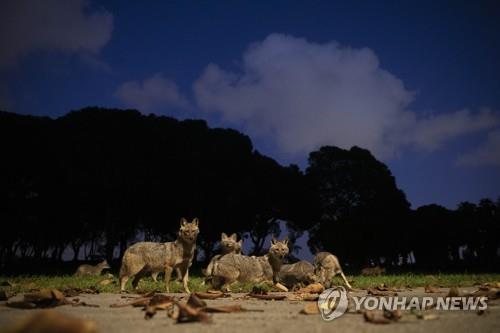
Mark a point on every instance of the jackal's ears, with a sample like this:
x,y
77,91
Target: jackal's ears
x,y
234,237
223,235
195,221
285,241
273,240
183,222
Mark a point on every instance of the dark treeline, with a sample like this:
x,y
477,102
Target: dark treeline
x,y
96,180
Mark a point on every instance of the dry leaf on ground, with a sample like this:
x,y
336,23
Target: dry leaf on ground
x,y
313,288
310,309
432,289
375,317
211,294
189,314
51,321
158,302
454,292
377,292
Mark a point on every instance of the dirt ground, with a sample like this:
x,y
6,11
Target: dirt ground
x,y
276,316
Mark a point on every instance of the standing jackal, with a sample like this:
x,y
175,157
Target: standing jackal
x,y
92,270
236,267
326,267
145,258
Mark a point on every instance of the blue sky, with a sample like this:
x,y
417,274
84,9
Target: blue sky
x,y
417,83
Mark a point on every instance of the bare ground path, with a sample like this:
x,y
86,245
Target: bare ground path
x,y
277,316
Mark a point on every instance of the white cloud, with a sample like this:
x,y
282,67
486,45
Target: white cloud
x,y
151,94
304,95
432,132
62,25
486,154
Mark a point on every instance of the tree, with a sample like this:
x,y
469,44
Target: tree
x,y
362,212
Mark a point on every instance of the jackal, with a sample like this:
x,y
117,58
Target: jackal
x,y
228,244
92,270
326,266
373,271
297,274
236,267
145,258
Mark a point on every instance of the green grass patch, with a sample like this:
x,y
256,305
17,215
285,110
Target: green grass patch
x,y
419,280
27,283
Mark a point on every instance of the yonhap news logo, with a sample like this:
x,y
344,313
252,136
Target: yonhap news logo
x,y
334,302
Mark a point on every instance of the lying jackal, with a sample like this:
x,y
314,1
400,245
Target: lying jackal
x,y
229,244
297,274
145,258
92,270
326,267
235,267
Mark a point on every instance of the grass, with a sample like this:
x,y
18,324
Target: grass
x,y
26,283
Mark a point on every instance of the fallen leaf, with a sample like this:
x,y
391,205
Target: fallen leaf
x,y
189,314
73,291
51,321
393,314
375,318
491,293
211,295
376,292
275,297
303,297
139,301
310,309
432,290
78,303
454,292
158,302
313,288
195,302
21,305
46,298
426,316
228,309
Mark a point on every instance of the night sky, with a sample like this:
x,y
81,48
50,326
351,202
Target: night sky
x,y
416,83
